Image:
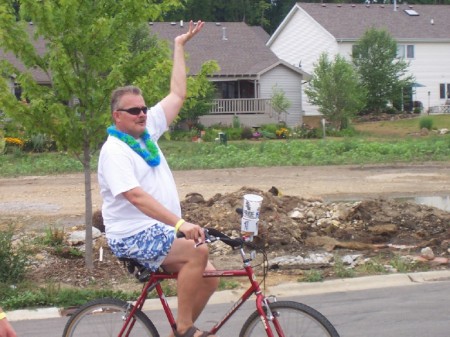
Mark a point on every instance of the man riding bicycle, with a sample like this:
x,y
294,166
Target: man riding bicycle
x,y
141,208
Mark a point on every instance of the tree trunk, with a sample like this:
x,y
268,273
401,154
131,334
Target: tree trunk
x,y
88,206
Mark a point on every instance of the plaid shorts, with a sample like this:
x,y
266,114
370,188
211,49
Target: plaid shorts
x,y
149,247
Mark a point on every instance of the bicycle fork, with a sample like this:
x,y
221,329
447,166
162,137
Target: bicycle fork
x,y
268,316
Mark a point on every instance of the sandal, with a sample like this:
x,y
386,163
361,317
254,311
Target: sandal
x,y
191,332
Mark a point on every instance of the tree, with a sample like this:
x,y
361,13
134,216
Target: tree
x,y
336,90
201,92
279,101
382,73
92,47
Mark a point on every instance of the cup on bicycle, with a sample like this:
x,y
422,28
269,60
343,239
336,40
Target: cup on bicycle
x,y
250,214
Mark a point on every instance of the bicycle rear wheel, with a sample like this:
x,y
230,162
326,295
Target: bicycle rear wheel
x,y
294,319
105,318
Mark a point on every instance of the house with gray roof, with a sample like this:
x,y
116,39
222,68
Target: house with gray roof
x,y
249,71
422,33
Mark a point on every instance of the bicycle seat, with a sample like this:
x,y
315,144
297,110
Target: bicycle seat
x,y
135,268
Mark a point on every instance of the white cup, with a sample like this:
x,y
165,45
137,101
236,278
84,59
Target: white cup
x,y
249,226
250,214
252,205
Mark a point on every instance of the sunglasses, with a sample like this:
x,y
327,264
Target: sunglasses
x,y
135,110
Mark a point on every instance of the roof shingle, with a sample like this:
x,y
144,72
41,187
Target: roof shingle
x,y
243,51
350,21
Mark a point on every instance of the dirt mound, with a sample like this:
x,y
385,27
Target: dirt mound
x,y
288,225
294,224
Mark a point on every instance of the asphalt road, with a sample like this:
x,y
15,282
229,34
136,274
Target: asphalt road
x,y
413,310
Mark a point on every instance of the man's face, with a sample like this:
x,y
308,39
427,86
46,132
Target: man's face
x,y
131,124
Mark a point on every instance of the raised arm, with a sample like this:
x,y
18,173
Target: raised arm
x,y
173,102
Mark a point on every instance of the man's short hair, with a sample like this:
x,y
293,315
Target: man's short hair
x,y
121,91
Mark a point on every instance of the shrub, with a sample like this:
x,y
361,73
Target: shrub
x,y
236,122
39,143
13,260
233,133
426,122
270,128
247,133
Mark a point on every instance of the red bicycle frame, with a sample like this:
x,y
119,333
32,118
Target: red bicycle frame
x,y
155,283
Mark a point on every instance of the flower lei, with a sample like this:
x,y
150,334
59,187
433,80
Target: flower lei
x,y
150,154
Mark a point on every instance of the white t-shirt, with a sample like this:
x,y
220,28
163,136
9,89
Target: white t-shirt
x,y
120,169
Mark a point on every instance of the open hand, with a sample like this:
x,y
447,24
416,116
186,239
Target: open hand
x,y
194,29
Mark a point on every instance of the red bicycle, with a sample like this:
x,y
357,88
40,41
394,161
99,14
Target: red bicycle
x,y
108,317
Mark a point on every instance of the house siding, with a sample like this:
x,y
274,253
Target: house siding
x,y
302,41
430,67
290,83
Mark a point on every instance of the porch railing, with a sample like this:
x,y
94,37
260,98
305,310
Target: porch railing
x,y
241,106
440,109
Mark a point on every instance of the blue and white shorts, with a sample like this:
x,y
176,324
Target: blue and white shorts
x,y
149,247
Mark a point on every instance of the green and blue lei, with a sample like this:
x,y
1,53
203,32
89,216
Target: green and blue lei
x,y
150,154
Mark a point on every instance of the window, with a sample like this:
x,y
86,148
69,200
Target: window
x,y
405,51
410,51
444,90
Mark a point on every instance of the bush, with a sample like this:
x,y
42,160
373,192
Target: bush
x,y
246,133
426,122
13,260
270,128
233,133
39,143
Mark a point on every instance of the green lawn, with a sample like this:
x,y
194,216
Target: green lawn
x,y
375,142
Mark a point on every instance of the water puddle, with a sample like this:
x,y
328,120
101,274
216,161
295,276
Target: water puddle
x,y
441,202
438,202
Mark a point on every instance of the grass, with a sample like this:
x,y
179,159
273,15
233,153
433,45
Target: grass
x,y
373,142
400,128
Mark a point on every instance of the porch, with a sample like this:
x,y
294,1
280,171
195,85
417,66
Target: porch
x,y
440,109
251,112
241,106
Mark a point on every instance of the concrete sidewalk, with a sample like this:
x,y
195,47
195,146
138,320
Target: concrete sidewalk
x,y
281,290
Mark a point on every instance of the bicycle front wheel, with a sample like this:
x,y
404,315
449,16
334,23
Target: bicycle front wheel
x,y
291,319
105,318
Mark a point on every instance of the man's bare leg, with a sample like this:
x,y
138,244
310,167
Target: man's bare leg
x,y
190,263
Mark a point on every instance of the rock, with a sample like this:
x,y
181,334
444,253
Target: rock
x,y
351,260
322,241
383,229
195,198
440,261
313,260
427,253
79,237
296,214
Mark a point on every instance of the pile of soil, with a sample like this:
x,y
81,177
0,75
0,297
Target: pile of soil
x,y
289,225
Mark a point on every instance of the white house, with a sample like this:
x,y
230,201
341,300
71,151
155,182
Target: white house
x,y
422,33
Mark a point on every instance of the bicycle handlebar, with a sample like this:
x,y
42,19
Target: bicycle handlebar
x,y
212,235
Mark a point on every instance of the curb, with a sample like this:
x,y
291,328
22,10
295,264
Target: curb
x,y
281,290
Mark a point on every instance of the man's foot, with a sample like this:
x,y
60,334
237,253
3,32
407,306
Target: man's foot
x,y
193,332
